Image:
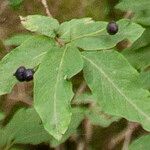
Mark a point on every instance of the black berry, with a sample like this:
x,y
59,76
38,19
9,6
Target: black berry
x,y
20,74
112,28
29,74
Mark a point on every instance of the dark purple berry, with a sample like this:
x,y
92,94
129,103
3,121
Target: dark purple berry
x,y
112,28
29,74
20,74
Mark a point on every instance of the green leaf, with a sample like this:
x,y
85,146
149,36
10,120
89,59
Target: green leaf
x,y
1,115
41,24
94,113
138,54
142,17
141,143
139,58
141,10
145,79
74,28
53,90
77,117
29,54
97,117
134,5
18,148
17,39
90,35
15,3
84,98
24,128
115,84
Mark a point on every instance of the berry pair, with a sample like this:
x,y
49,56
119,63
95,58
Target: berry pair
x,y
23,74
112,28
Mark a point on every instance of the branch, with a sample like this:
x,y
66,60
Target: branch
x,y
128,15
44,3
126,135
80,90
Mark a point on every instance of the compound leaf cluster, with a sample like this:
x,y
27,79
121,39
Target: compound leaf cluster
x,y
61,51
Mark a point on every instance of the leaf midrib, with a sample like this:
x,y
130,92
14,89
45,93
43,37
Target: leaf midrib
x,y
88,35
116,87
56,85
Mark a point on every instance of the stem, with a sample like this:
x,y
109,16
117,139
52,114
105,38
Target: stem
x,y
80,145
44,3
126,135
80,90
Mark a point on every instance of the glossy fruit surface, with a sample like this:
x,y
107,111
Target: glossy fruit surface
x,y
29,74
20,74
112,28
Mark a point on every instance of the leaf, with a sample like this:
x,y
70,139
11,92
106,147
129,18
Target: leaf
x,y
116,86
141,143
41,24
141,10
71,29
19,148
90,35
84,98
139,58
94,113
15,3
134,5
24,128
100,118
1,115
53,90
29,54
142,17
17,39
138,54
145,79
78,115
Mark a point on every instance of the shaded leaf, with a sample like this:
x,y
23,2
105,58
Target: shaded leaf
x,y
94,113
53,90
84,98
77,117
145,79
17,39
141,10
97,117
24,128
141,143
138,54
139,58
1,115
15,3
41,24
116,86
143,17
134,5
29,54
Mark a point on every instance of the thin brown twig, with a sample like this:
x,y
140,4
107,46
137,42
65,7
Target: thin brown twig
x,y
3,6
81,89
128,14
126,133
44,3
80,145
87,127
